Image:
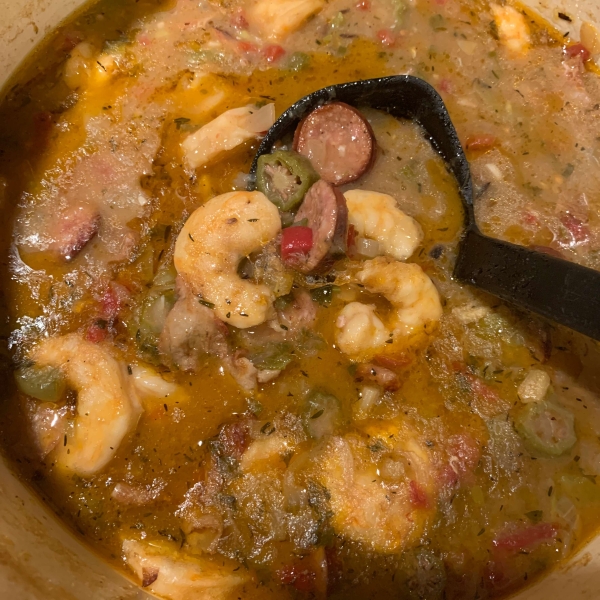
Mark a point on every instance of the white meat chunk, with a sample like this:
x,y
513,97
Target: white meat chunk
x,y
172,574
226,132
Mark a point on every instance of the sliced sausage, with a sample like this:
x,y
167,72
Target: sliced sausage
x,y
339,142
383,377
325,211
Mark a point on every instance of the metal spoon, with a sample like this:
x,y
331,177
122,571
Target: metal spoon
x,y
559,290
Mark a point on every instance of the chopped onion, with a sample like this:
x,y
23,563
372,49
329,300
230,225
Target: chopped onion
x,y
567,511
467,47
534,387
149,383
495,171
469,313
241,181
368,248
368,397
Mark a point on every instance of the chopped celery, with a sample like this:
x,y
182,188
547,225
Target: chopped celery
x,y
322,415
298,61
274,356
165,277
154,312
42,383
546,427
582,490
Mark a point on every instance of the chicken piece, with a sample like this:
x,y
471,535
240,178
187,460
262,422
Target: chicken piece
x,y
513,30
226,132
172,574
275,19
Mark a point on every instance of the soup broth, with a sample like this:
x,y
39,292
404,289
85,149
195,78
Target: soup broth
x,y
454,456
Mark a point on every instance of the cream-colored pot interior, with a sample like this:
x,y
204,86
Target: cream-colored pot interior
x,y
39,559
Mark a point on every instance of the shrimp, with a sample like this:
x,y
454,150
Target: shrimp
x,y
107,407
376,216
415,301
212,243
171,573
512,27
380,484
276,20
227,131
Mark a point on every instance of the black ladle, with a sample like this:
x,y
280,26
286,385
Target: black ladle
x,y
554,288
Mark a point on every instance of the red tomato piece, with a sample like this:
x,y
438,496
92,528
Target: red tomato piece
x,y
464,452
302,579
530,218
386,37
364,5
247,47
296,240
446,86
480,142
273,52
97,332
578,50
418,496
525,538
577,228
239,20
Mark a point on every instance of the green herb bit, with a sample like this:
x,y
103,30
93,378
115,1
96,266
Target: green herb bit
x,y
206,303
535,516
180,121
324,295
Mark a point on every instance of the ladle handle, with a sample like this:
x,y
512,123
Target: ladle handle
x,y
559,290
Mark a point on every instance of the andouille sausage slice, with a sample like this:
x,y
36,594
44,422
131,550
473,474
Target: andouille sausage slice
x,y
324,210
338,141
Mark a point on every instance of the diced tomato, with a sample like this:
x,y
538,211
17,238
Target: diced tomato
x,y
577,228
111,300
464,452
247,47
482,389
418,496
363,5
239,20
296,240
273,52
395,362
386,37
235,439
144,39
578,50
97,332
446,86
530,218
525,538
480,142
302,579
487,401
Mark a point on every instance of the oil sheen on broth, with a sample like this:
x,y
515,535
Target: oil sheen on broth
x,y
446,449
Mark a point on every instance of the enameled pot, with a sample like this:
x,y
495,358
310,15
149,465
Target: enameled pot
x,y
39,558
